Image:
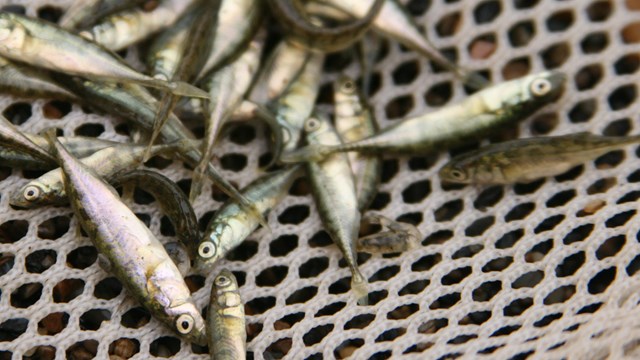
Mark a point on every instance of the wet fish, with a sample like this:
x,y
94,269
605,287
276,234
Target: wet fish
x,y
42,44
25,81
468,120
231,225
284,65
49,188
313,34
134,254
355,121
14,139
173,202
295,105
125,28
83,13
394,238
136,105
237,22
334,191
525,160
395,22
227,87
225,319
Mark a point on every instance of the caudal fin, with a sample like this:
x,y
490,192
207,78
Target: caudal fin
x,y
313,152
179,88
166,106
359,285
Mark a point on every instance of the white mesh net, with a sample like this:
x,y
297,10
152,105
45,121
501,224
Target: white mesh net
x,y
543,270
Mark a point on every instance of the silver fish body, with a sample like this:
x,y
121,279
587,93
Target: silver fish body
x,y
231,225
135,255
334,192
126,28
43,44
237,23
83,13
453,125
12,138
49,188
24,81
226,330
355,121
525,160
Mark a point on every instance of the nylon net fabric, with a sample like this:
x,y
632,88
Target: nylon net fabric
x,y
541,270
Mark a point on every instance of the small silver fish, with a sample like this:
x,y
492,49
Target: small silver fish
x,y
334,192
45,45
525,160
231,225
83,13
134,254
25,81
395,237
225,319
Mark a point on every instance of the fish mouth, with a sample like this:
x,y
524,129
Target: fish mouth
x,y
558,81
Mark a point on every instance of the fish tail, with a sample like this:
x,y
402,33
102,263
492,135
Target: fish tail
x,y
197,180
166,106
359,285
179,88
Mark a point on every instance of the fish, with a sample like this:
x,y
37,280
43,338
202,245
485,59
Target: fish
x,y
395,22
29,82
44,45
136,105
173,202
134,254
311,33
83,13
12,138
395,237
236,24
284,65
49,188
125,28
334,191
231,225
190,60
453,125
227,88
525,160
354,121
295,105
226,329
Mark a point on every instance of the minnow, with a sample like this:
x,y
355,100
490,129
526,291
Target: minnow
x,y
136,105
226,329
171,199
395,22
296,104
334,192
525,160
231,225
227,88
355,121
49,188
83,13
315,36
468,120
125,28
29,82
42,44
133,253
395,237
235,25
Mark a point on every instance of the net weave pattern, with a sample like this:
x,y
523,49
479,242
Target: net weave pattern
x,y
544,270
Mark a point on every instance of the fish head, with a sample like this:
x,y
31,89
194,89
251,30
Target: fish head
x,y
188,322
210,250
345,85
31,195
315,126
545,86
12,33
454,172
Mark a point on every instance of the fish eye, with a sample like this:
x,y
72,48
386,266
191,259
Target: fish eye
x,y
31,193
222,280
312,124
540,87
207,249
184,323
348,86
457,174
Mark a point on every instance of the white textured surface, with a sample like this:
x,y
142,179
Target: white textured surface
x,y
453,264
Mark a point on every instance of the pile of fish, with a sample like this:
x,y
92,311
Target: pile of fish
x,y
206,60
